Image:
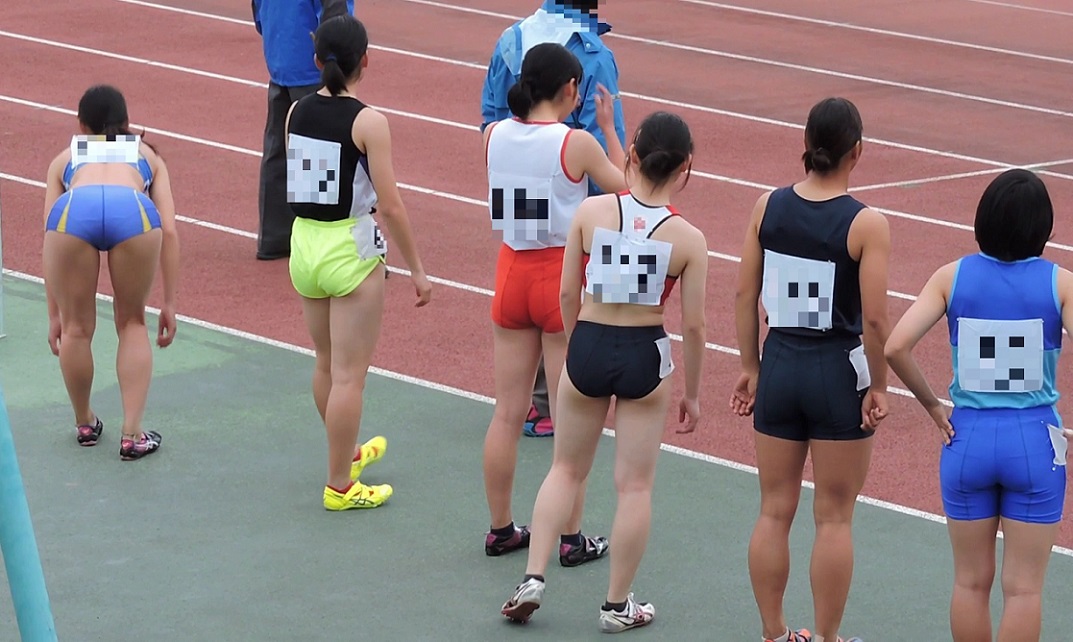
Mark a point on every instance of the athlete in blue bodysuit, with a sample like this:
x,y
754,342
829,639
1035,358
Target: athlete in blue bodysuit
x,y
108,192
1004,456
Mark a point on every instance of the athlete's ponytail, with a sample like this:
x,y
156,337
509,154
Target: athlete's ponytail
x,y
103,111
546,70
833,129
340,44
663,143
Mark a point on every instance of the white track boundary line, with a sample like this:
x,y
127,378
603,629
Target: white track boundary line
x,y
715,347
882,32
806,68
641,97
473,396
1010,5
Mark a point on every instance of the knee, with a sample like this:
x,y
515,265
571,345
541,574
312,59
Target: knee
x,y
1021,586
632,482
834,508
75,328
127,319
347,376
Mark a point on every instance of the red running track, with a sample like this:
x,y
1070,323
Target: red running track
x,y
449,342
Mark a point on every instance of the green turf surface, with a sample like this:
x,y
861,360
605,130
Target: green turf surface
x,y
221,536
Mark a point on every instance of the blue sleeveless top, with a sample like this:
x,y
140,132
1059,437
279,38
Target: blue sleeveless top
x,y
1005,325
142,166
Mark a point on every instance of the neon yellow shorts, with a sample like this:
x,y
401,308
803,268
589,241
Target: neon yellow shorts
x,y
327,259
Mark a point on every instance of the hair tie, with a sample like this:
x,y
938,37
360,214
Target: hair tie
x,y
330,58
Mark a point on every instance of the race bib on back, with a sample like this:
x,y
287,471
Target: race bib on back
x,y
312,170
519,207
626,269
1000,356
797,292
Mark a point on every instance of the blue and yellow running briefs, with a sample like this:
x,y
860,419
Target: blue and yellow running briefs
x,y
103,215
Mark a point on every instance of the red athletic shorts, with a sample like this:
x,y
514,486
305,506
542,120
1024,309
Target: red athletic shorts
x,y
527,289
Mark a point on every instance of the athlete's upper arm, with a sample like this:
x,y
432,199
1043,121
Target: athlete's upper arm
x,y
874,231
1064,286
694,279
925,312
372,135
54,180
160,193
586,156
751,271
574,253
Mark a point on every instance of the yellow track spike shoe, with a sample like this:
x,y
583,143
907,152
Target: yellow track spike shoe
x,y
357,496
371,452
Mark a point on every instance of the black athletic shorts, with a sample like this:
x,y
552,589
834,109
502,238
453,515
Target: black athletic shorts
x,y
625,362
807,389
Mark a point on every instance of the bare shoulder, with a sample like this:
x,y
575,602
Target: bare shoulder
x,y
59,162
869,219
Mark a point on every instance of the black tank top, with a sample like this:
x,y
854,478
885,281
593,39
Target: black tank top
x,y
331,119
818,230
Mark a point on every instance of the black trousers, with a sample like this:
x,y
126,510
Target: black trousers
x,y
276,216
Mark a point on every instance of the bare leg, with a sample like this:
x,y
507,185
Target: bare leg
x,y
840,470
639,430
132,266
517,353
576,436
71,268
973,544
1025,554
781,463
354,322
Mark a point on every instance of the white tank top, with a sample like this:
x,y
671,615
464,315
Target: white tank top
x,y
531,197
627,265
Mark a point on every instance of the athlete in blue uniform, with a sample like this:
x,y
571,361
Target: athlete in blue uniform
x,y
1004,459
108,192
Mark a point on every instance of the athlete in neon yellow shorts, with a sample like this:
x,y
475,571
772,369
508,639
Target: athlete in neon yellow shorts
x,y
338,174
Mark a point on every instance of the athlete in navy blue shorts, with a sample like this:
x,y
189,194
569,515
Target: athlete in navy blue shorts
x,y
109,192
1004,455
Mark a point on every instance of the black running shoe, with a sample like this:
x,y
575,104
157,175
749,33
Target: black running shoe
x,y
88,435
591,548
147,445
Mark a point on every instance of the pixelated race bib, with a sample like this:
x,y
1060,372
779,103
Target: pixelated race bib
x,y
519,207
368,237
105,148
312,170
798,292
626,269
1000,356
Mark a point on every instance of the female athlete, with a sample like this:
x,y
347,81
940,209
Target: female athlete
x,y
538,172
818,257
618,348
1004,456
109,192
339,172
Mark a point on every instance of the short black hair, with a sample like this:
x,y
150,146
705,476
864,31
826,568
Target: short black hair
x,y
833,129
1015,217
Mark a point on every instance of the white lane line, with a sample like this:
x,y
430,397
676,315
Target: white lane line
x,y
882,32
652,99
1010,5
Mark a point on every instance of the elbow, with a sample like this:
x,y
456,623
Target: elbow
x,y
878,326
694,329
894,351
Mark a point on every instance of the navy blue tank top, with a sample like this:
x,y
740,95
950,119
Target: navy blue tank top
x,y
818,231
